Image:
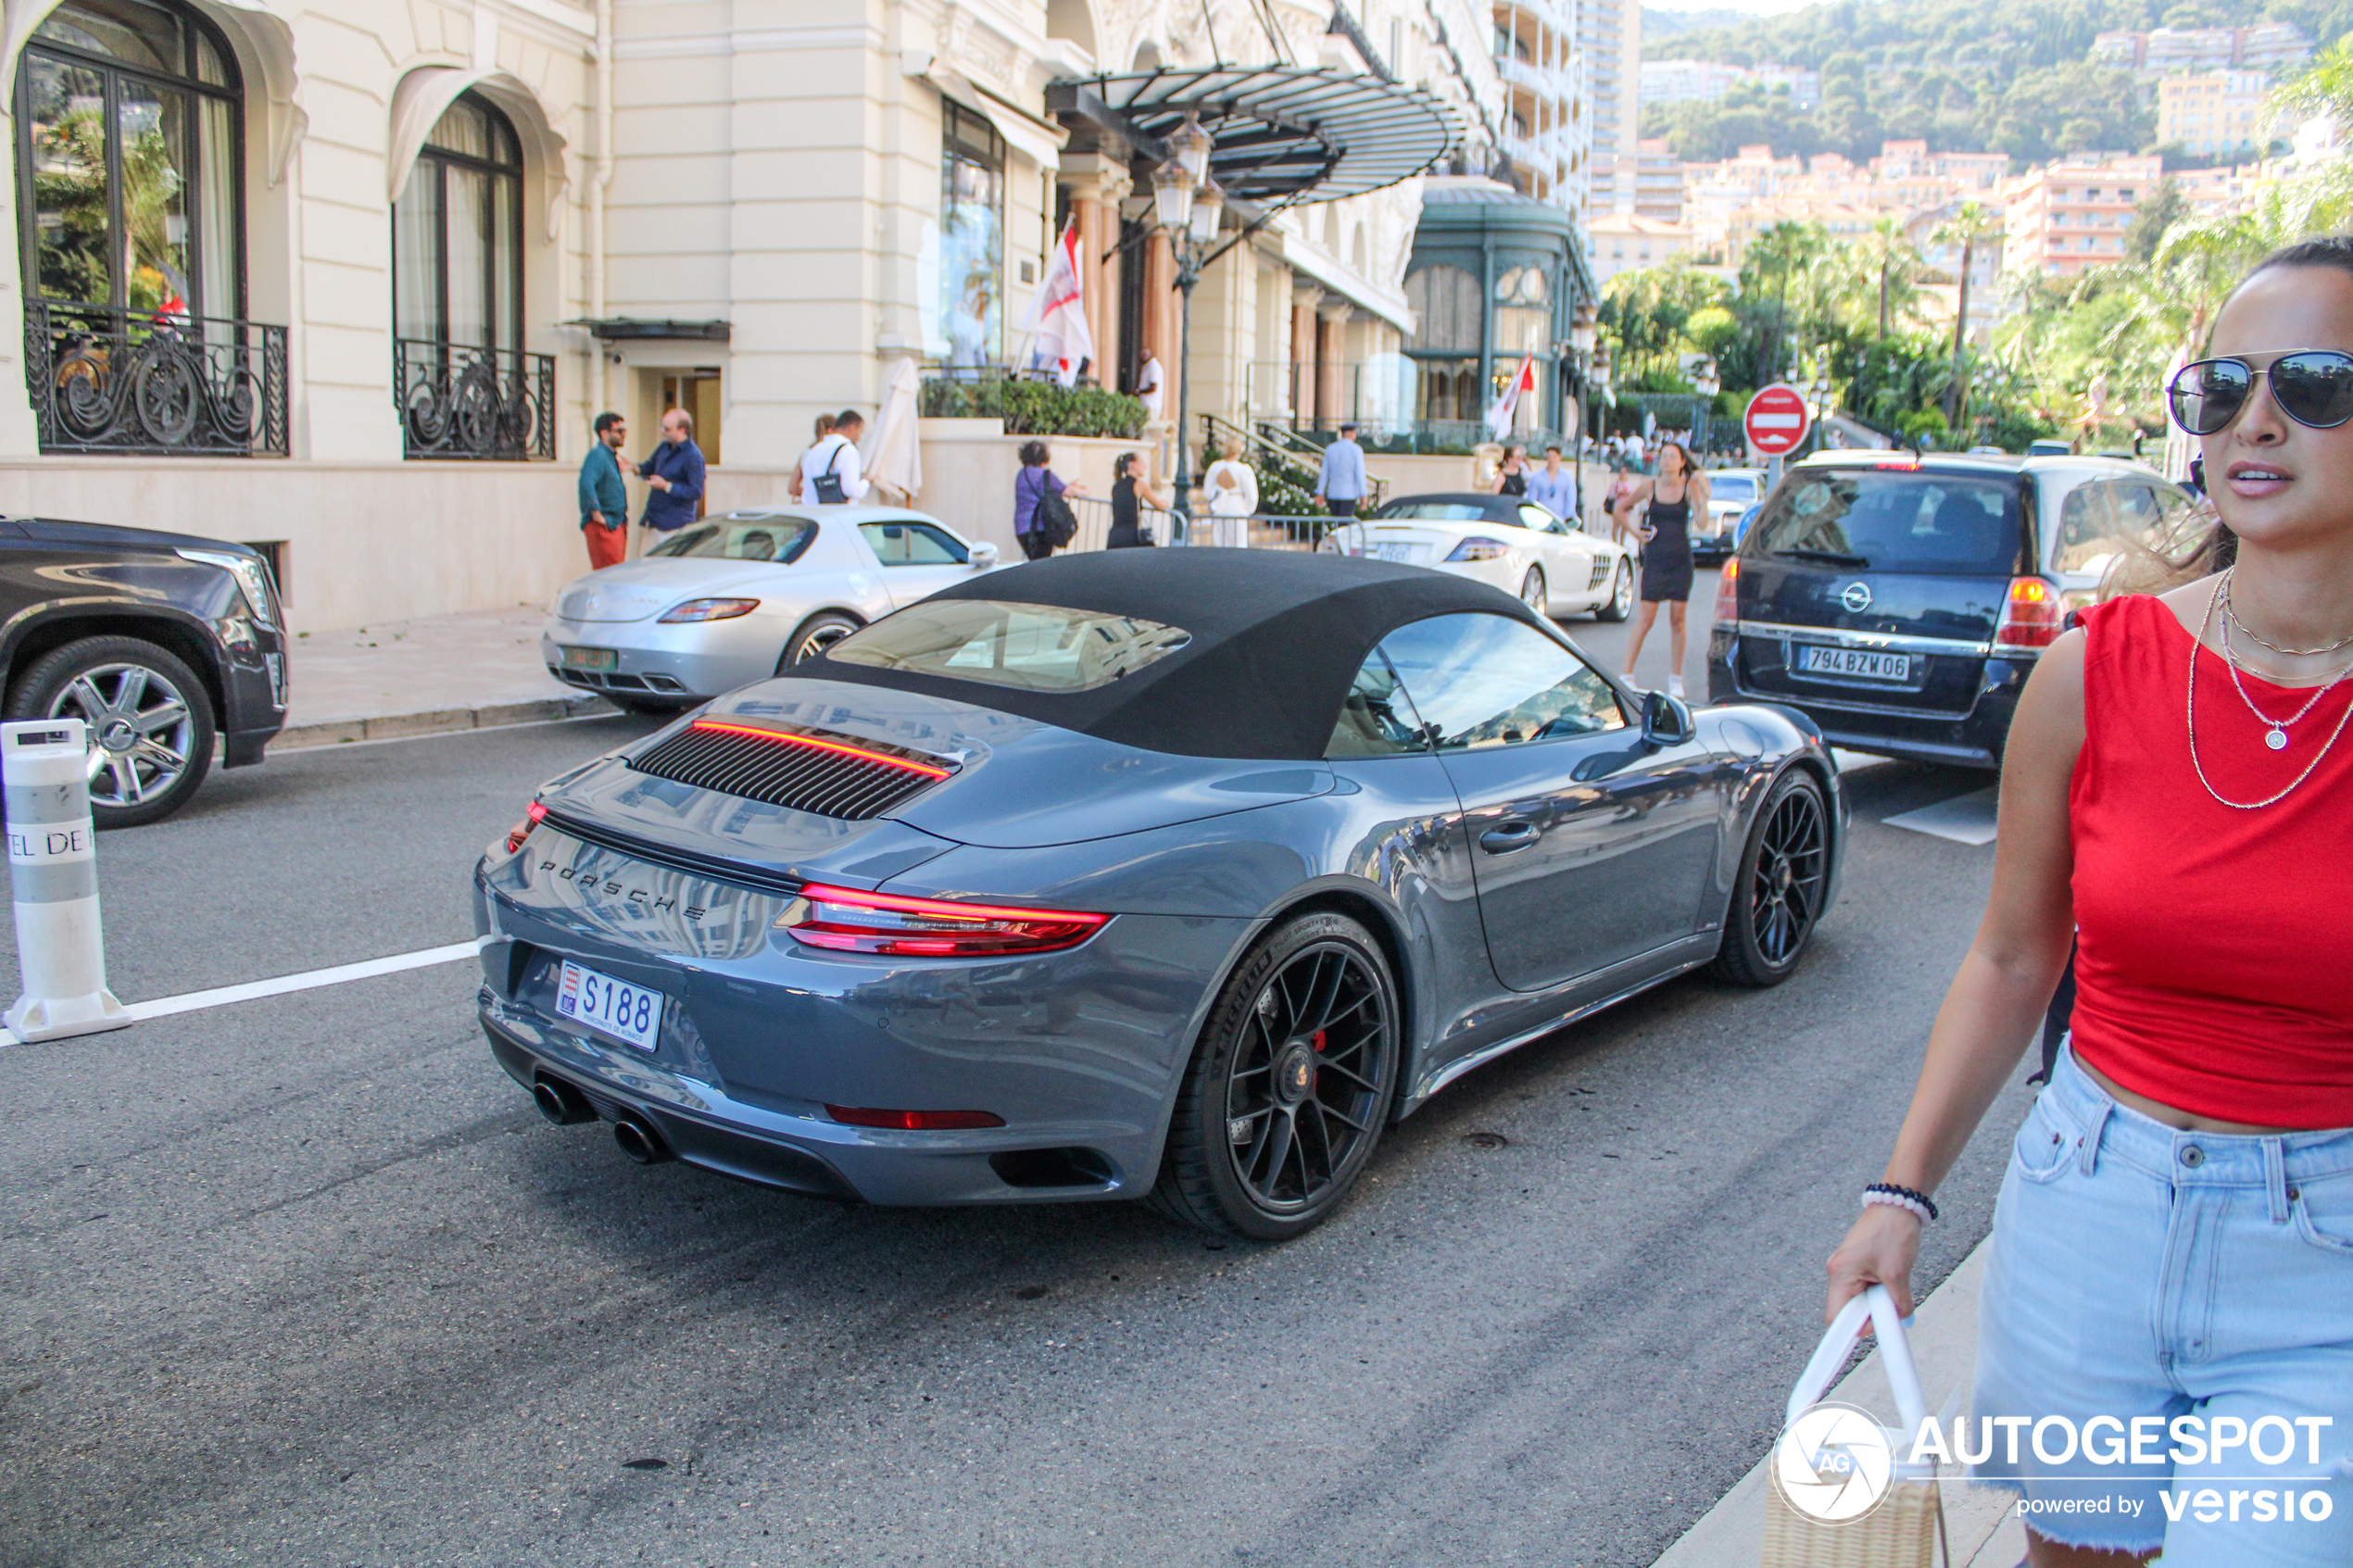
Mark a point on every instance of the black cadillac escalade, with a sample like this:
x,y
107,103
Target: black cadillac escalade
x,y
158,642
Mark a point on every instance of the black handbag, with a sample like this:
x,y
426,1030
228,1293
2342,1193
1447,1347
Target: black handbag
x,y
828,483
1056,520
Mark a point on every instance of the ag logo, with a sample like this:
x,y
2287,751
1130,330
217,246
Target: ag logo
x,y
1833,1465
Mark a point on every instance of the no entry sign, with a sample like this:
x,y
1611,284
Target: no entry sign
x,y
1776,420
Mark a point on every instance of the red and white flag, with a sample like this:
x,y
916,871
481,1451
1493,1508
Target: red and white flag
x,y
1058,313
1499,417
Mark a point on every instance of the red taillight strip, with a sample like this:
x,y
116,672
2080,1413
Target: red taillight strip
x,y
757,733
818,893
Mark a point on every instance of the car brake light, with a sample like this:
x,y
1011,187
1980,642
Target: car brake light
x,y
782,738
1727,609
914,1120
532,815
2030,618
846,920
1476,548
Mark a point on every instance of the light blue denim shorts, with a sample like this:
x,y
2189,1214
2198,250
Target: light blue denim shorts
x,y
2141,1271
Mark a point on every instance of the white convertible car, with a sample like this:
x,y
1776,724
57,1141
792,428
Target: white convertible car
x,y
735,598
1552,563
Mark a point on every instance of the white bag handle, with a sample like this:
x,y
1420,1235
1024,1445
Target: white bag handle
x,y
1876,1303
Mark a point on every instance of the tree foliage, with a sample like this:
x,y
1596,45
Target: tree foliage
x,y
2013,77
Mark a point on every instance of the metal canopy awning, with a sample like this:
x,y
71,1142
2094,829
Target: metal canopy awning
x,y
1285,133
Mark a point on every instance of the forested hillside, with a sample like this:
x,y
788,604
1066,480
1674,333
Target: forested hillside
x,y
2012,76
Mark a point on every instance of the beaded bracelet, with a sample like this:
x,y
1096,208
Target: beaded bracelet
x,y
1909,1199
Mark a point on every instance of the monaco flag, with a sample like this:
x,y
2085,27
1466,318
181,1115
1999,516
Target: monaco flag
x,y
1058,313
1499,418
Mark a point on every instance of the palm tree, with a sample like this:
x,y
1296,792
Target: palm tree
x,y
1889,254
1966,228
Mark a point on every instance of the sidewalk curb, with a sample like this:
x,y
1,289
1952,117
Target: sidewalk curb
x,y
446,720
1984,1533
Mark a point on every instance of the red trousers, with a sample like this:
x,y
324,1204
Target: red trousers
x,y
606,546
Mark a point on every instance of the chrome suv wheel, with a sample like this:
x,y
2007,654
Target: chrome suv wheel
x,y
150,723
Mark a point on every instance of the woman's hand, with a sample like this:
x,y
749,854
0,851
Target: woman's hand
x,y
1879,1248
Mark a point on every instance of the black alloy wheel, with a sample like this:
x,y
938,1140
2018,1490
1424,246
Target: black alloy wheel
x,y
150,723
1784,877
1290,1087
814,635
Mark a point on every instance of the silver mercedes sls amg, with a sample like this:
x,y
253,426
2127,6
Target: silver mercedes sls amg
x,y
1175,874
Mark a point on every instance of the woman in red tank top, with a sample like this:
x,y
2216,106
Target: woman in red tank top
x,y
2174,1236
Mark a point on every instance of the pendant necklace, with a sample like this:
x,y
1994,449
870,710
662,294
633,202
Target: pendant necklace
x,y
2197,641
2275,730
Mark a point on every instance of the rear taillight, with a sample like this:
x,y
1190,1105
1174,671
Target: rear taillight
x,y
2030,618
534,814
849,921
914,1120
1728,608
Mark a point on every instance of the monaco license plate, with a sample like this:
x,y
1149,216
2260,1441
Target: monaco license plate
x,y
1402,553
592,659
1860,664
629,1013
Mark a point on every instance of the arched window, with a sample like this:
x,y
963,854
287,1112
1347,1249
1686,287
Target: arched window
x,y
1446,301
129,151
457,234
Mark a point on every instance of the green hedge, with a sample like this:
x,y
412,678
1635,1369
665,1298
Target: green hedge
x,y
1036,407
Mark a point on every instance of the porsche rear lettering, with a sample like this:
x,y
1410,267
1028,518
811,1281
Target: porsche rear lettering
x,y
634,894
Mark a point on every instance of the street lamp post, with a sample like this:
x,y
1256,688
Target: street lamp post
x,y
1188,206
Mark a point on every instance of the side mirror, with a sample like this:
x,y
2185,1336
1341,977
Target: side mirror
x,y
981,557
1664,720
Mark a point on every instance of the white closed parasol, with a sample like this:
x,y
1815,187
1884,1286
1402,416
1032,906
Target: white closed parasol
x,y
895,460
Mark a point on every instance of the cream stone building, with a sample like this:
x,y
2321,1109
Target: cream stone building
x,y
348,278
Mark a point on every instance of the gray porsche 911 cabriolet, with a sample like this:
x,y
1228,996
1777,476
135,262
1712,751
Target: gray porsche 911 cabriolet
x,y
1166,873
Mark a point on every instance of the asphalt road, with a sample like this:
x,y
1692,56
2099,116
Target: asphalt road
x,y
305,1281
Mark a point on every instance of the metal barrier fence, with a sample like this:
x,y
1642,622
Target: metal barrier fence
x,y
1259,533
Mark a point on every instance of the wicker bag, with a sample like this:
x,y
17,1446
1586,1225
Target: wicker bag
x,y
1906,1529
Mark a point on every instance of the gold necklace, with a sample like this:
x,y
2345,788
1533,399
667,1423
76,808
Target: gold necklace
x,y
2198,639
2231,618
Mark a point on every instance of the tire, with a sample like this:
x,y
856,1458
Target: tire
x,y
1776,901
1534,594
1291,1167
814,635
1621,603
151,722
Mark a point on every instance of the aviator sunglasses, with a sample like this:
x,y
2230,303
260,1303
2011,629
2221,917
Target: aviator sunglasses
x,y
2313,386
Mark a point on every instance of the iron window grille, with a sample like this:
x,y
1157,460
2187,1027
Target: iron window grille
x,y
112,380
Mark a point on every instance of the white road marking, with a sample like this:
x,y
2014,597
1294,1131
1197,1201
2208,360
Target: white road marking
x,y
310,980
1964,819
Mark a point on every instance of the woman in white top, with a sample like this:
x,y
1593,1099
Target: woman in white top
x,y
1232,490
835,458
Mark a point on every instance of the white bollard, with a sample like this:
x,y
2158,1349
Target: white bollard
x,y
44,771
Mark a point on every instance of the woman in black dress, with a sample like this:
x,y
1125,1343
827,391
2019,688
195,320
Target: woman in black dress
x,y
1510,475
1669,501
1128,488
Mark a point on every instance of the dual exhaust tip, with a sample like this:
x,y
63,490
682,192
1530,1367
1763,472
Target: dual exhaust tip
x,y
566,1106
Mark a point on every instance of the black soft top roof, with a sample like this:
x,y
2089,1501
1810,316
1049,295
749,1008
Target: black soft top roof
x,y
1277,638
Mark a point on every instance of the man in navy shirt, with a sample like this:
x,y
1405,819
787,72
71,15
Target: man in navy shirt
x,y
675,471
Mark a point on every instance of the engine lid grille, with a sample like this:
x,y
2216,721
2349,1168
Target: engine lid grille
x,y
813,770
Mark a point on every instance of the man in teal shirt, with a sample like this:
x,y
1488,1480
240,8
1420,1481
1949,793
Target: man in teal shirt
x,y
604,499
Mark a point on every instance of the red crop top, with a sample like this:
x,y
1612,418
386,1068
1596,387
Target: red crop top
x,y
2215,957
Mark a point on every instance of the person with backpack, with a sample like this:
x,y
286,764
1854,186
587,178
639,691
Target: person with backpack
x,y
824,427
1043,521
829,471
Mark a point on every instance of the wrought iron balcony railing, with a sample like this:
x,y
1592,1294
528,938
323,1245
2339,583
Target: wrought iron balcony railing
x,y
460,401
104,380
